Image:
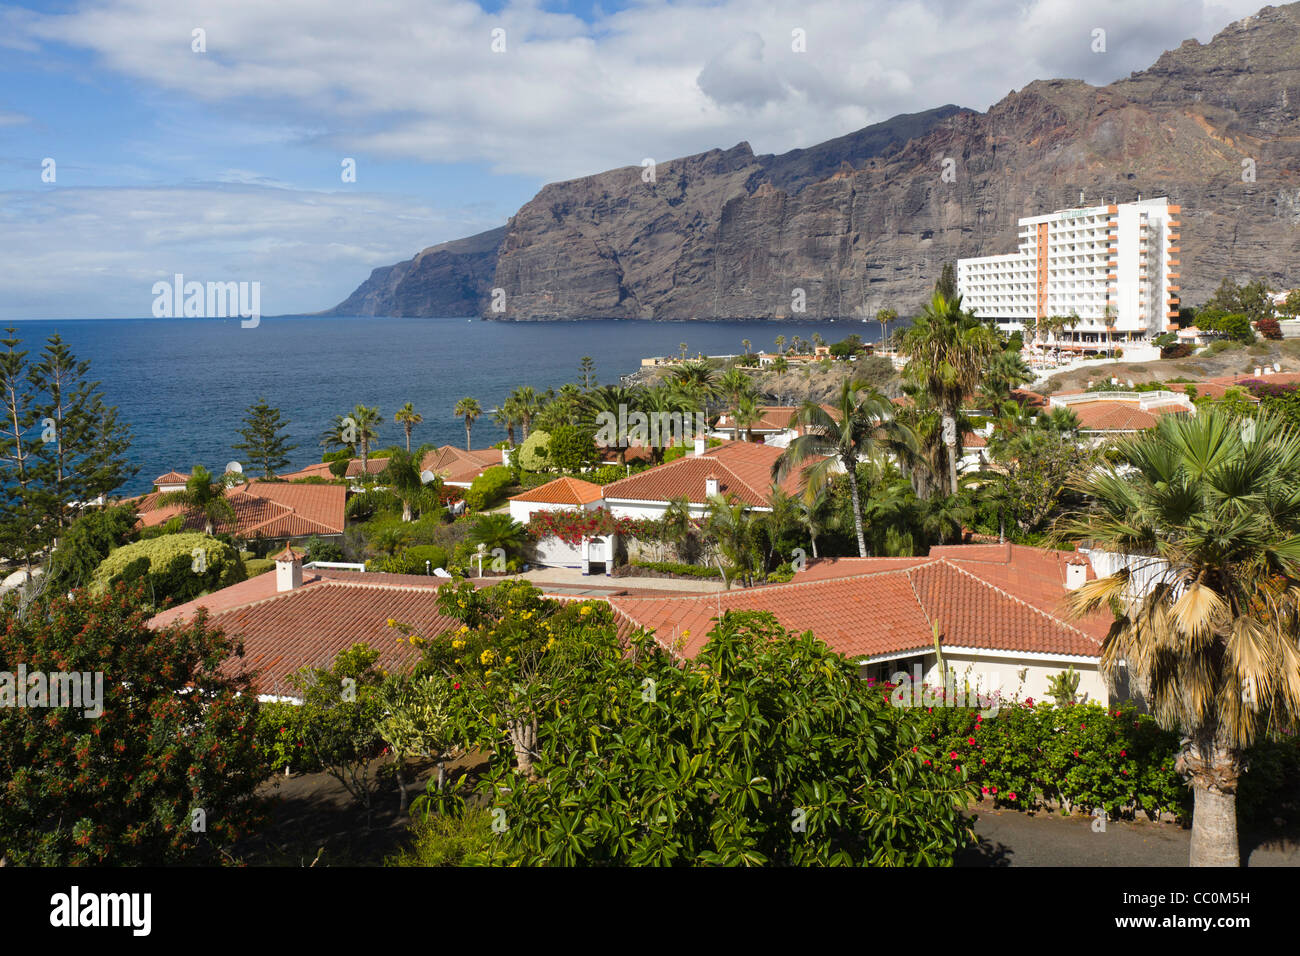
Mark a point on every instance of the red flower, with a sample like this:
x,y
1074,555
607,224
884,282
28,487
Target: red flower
x,y
1123,753
1029,702
970,740
915,749
456,686
1076,753
982,760
1012,795
952,754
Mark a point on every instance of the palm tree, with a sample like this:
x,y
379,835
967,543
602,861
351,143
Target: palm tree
x,y
780,366
506,416
748,413
606,402
1212,502
735,386
365,421
341,434
731,528
663,401
1005,371
468,409
697,378
402,475
528,405
408,418
947,349
884,317
498,530
203,495
858,428
813,513
780,344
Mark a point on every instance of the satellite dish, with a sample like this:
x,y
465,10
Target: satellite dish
x,y
1130,383
234,468
1277,366
427,476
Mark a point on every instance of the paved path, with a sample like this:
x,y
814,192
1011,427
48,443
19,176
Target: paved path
x,y
1012,838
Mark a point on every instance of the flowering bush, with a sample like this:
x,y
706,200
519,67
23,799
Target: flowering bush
x,y
1082,756
573,525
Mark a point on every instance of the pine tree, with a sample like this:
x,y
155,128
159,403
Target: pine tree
x,y
947,284
264,442
19,523
81,452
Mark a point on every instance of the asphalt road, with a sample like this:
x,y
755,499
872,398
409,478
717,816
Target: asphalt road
x,y
1012,838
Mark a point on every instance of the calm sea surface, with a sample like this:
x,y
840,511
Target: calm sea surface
x,y
184,384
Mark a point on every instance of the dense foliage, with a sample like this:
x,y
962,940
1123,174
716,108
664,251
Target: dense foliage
x,y
175,566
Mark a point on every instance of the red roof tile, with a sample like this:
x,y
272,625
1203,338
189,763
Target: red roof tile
x,y
267,508
564,491
743,469
458,465
994,597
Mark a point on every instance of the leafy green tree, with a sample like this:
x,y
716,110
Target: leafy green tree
x,y
402,476
470,410
340,719
1211,505
164,774
176,567
85,545
264,443
535,453
204,495
571,448
767,749
408,418
81,454
1252,300
946,285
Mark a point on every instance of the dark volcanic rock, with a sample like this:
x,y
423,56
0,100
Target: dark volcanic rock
x,y
866,220
450,279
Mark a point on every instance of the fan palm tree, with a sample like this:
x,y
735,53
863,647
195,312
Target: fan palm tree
x,y
947,349
697,378
365,423
857,430
408,418
814,514
606,402
1212,504
470,410
204,495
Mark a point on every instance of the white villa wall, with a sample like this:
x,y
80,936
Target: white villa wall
x,y
1001,671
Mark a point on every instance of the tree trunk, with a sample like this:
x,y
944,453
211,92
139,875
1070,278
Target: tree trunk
x,y
1212,770
523,738
857,507
401,787
467,448
814,545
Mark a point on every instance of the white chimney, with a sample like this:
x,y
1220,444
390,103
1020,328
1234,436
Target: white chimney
x,y
1076,572
288,569
710,485
1258,371
700,444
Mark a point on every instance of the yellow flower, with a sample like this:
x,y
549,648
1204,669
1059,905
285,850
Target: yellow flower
x,y
586,609
457,645
392,623
486,657
509,659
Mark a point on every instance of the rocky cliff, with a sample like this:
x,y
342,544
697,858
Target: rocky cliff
x,y
865,221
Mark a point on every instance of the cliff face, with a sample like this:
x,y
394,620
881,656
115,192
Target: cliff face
x,y
866,220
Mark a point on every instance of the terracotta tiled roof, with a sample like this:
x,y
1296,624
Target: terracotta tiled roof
x,y
171,478
267,508
458,465
1103,416
321,469
285,631
993,597
288,554
743,469
564,491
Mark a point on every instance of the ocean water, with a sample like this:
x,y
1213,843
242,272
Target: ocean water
x,y
184,384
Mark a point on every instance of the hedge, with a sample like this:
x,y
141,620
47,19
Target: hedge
x,y
673,567
489,488
170,566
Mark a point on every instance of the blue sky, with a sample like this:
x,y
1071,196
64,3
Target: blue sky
x,y
225,164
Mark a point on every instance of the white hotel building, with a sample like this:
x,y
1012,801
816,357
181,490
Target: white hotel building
x,y
1102,276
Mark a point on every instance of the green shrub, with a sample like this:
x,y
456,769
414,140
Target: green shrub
x,y
445,839
533,454
86,543
255,566
673,567
317,549
176,566
781,574
412,560
489,487
367,504
571,448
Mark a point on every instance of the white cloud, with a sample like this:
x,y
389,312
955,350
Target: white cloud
x,y
67,247
417,81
